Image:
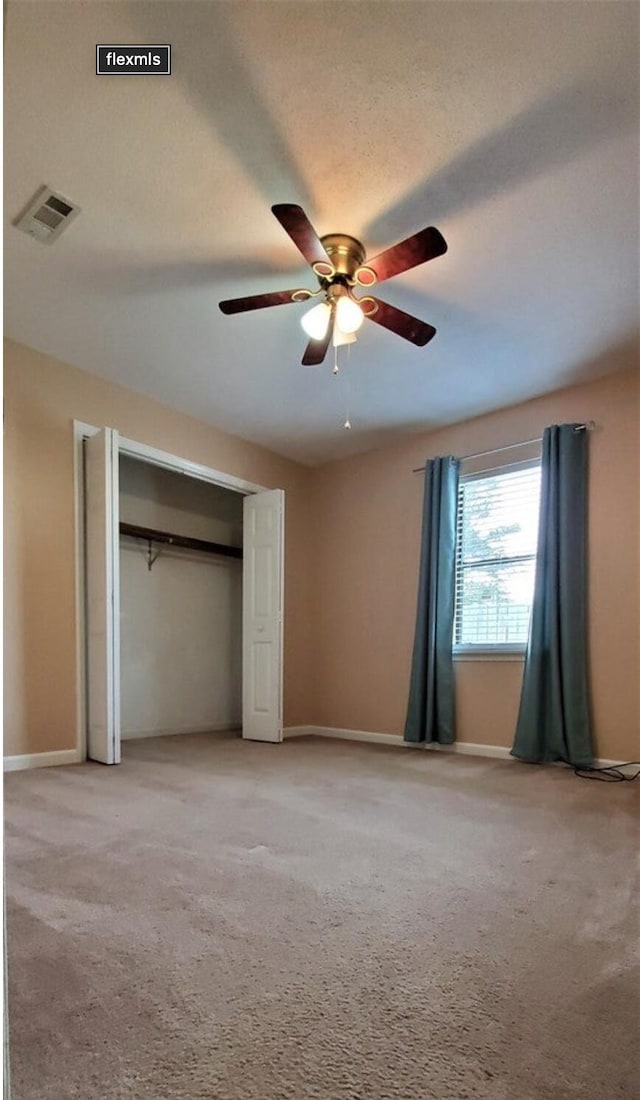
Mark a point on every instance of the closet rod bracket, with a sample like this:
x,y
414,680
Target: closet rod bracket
x,y
151,557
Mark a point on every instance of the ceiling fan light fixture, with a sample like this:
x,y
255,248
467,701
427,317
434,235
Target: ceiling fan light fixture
x,y
316,321
338,261
349,316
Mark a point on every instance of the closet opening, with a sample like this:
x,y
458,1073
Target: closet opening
x,y
179,598
180,561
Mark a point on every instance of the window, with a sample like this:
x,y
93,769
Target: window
x,y
495,556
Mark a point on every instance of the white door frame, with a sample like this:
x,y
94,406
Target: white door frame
x,y
102,573
156,457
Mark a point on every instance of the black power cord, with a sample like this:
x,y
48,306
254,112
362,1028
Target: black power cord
x,y
612,774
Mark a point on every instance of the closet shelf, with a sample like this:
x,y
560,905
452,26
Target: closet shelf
x,y
150,535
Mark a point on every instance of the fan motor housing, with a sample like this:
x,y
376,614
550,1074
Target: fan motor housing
x,y
346,253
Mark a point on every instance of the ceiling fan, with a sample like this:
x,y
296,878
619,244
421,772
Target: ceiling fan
x,y
338,261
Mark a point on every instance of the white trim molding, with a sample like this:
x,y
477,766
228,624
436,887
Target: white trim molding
x,y
481,653
613,764
186,466
461,748
343,735
468,748
41,760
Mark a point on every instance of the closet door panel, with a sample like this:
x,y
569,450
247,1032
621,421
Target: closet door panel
x,y
262,601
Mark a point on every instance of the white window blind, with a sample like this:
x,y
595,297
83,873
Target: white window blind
x,y
495,556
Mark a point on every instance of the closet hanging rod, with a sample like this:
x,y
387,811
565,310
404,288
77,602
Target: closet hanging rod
x,y
183,541
588,427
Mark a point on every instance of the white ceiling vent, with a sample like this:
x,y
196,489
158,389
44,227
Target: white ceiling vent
x,y
47,215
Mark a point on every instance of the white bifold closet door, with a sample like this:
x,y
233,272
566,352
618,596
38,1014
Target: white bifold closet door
x,y
262,615
102,526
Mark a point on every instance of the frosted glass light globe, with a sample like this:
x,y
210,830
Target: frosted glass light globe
x,y
316,320
349,316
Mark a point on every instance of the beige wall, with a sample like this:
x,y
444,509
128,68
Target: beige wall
x,y
42,397
353,530
367,515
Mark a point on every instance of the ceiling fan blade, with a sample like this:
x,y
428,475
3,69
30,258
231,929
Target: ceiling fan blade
x,y
260,301
403,324
415,250
295,222
317,349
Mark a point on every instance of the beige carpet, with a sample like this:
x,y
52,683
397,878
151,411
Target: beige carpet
x,y
219,920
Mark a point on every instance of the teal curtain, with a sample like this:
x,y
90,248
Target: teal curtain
x,y
430,713
554,721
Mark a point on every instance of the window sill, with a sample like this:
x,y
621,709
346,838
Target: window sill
x,y
490,653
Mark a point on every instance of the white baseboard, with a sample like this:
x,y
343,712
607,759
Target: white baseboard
x,y
343,735
41,760
298,731
609,764
465,747
209,727
461,748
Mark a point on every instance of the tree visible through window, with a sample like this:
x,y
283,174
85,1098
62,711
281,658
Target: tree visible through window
x,y
495,556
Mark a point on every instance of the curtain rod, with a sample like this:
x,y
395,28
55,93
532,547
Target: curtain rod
x,y
587,427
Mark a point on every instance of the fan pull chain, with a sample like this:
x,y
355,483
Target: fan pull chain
x,y
336,368
347,423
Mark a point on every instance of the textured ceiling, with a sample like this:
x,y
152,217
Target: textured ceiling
x,y
511,127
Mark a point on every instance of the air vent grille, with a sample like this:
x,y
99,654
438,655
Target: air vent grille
x,y
47,215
